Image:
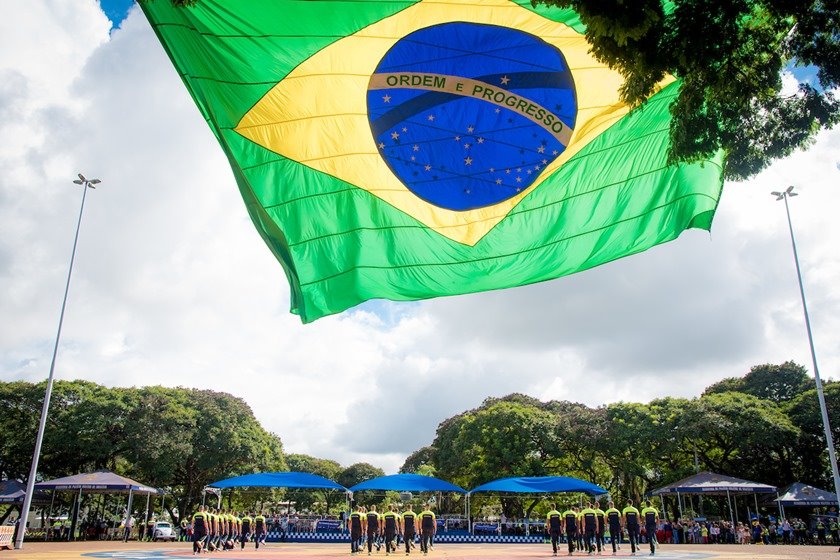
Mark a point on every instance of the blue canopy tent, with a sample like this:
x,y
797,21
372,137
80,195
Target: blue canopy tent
x,y
297,480
539,485
278,480
408,483
411,483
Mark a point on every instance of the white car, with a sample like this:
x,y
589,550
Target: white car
x,y
163,532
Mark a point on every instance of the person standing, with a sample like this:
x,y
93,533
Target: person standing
x,y
614,521
570,517
356,526
200,527
409,528
651,517
392,527
428,525
372,525
554,525
835,531
589,526
259,529
631,522
600,517
128,525
245,535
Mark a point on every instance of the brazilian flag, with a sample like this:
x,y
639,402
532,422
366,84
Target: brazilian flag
x,y
413,149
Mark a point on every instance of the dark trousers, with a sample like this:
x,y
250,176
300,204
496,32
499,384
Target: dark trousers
x,y
426,539
633,535
390,535
408,537
599,538
571,537
355,537
555,538
372,536
198,539
244,538
615,536
259,537
651,537
589,538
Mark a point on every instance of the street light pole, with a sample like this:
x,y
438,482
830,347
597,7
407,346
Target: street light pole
x,y
30,482
832,455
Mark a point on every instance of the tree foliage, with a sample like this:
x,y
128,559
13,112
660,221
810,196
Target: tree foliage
x,y
764,426
778,383
174,438
730,55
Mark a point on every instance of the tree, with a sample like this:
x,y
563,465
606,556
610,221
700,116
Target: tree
x,y
414,463
322,467
778,383
358,472
729,55
742,435
811,449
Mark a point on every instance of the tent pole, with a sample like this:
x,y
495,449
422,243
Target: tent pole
x,y
49,520
755,496
662,503
779,502
729,505
146,521
128,515
679,505
469,515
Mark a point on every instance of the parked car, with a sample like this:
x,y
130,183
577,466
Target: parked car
x,y
163,532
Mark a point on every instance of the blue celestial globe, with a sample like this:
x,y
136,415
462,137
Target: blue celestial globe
x,y
468,115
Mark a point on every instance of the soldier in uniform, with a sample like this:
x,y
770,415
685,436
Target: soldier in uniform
x,y
651,516
392,527
409,528
356,526
553,524
200,527
259,529
245,531
372,525
428,526
614,520
599,533
631,522
570,516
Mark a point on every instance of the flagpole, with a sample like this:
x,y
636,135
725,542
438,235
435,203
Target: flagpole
x,y
832,455
39,438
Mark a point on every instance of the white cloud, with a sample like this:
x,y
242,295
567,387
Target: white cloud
x,y
173,285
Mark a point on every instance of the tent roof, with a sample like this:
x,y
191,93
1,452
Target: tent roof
x,y
799,494
540,485
278,480
13,492
408,483
712,483
100,482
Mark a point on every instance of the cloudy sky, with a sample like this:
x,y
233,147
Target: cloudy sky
x,y
173,286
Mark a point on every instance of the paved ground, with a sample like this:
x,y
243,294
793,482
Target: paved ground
x,y
161,551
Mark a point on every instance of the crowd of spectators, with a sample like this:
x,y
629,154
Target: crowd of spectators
x,y
769,531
